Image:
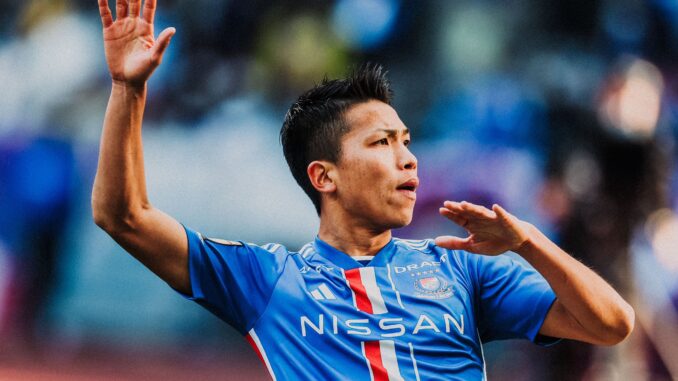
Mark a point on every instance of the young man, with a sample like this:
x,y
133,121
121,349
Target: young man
x,y
355,304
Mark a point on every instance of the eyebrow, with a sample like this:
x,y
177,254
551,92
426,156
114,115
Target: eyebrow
x,y
392,132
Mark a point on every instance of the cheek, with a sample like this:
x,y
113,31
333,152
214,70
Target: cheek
x,y
366,179
369,177
371,186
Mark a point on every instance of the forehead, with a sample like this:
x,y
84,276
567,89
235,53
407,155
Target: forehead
x,y
372,116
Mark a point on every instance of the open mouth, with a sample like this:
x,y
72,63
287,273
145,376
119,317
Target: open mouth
x,y
410,187
407,187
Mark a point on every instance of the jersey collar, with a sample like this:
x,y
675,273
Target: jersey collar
x,y
346,262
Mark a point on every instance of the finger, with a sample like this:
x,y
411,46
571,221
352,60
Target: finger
x,y
479,210
453,206
149,10
161,44
134,8
121,9
476,210
453,243
105,12
503,215
454,217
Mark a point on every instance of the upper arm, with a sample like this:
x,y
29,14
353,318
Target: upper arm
x,y
233,279
159,242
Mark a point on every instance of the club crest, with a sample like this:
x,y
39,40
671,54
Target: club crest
x,y
432,287
431,283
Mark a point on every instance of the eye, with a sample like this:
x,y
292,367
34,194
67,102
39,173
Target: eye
x,y
383,142
406,142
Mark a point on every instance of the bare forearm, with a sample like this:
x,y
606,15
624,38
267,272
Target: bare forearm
x,y
119,201
593,303
119,186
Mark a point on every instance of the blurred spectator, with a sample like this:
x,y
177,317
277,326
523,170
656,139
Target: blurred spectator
x,y
37,174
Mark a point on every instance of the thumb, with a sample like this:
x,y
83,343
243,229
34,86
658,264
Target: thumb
x,y
452,242
161,44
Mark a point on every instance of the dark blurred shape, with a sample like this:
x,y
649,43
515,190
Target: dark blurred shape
x,y
37,174
612,186
577,18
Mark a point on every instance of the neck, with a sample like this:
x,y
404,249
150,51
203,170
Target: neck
x,y
351,237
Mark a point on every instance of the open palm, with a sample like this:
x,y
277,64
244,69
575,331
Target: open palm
x,y
132,52
491,232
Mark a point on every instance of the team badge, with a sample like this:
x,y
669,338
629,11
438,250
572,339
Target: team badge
x,y
431,283
432,287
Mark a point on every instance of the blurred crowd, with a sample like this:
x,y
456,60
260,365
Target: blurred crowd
x,y
563,111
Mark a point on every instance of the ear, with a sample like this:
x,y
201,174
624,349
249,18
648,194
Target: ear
x,y
320,173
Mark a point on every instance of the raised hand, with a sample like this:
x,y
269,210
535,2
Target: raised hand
x,y
132,52
491,232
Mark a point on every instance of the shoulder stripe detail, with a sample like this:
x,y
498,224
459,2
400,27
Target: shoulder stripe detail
x,y
272,247
254,341
306,250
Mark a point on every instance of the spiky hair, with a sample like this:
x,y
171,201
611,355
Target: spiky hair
x,y
315,124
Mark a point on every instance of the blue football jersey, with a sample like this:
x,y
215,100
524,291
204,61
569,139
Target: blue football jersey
x,y
416,311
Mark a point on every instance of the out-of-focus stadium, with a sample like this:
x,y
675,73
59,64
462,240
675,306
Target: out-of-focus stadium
x,y
563,111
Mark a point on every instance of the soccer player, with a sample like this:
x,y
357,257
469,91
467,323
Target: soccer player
x,y
355,303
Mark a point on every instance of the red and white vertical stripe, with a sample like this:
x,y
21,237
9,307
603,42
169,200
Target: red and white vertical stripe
x,y
380,355
382,360
253,339
367,296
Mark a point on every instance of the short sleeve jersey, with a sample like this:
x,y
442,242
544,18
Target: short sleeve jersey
x,y
416,311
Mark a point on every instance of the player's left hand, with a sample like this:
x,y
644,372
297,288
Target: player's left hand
x,y
491,232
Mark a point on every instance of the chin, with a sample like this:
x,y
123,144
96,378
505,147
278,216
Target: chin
x,y
384,218
400,221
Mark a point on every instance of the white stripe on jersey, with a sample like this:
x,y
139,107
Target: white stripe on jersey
x,y
326,291
255,338
306,250
272,247
414,362
372,289
390,279
389,359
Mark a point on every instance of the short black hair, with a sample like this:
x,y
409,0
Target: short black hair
x,y
315,124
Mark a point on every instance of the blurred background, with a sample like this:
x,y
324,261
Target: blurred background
x,y
563,111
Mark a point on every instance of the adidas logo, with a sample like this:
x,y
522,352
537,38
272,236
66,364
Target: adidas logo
x,y
322,293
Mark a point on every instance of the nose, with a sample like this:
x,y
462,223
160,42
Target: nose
x,y
407,160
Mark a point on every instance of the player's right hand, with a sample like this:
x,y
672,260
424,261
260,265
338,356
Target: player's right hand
x,y
132,52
